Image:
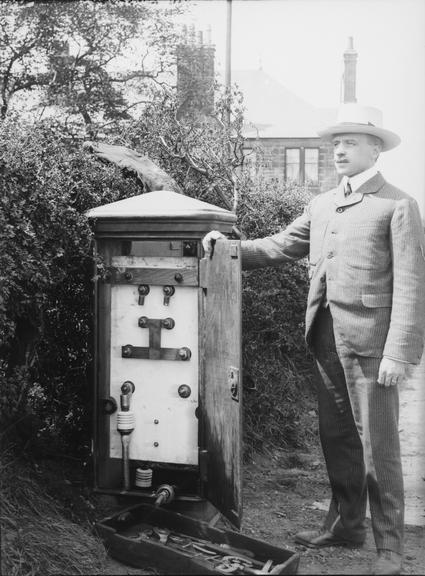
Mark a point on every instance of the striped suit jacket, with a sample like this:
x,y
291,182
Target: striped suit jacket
x,y
367,253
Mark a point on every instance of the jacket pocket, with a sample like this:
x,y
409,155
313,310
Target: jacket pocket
x,y
383,300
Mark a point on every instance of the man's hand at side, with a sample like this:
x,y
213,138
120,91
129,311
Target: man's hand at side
x,y
393,372
209,240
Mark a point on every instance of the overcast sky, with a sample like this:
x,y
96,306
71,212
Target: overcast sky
x,y
301,44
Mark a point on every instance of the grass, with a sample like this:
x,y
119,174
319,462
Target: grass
x,y
37,537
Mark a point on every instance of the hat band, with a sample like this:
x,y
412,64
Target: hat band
x,y
359,123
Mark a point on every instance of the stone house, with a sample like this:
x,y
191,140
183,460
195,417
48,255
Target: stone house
x,y
281,133
281,128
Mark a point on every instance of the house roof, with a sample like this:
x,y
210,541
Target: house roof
x,y
273,111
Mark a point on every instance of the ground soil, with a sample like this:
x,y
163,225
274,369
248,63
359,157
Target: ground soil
x,y
280,501
285,493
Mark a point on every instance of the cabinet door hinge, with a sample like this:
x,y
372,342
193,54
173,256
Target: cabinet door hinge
x,y
203,465
203,263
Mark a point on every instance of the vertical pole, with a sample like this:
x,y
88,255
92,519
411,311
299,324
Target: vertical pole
x,y
228,82
229,45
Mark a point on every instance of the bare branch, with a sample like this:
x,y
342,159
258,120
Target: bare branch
x,y
168,149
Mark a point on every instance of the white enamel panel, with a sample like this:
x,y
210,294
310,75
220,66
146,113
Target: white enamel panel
x,y
156,381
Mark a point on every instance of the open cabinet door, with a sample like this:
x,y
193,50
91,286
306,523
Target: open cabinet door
x,y
221,384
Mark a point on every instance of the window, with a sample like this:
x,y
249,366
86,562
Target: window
x,y
293,172
311,166
302,165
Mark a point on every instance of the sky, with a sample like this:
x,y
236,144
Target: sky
x,y
301,43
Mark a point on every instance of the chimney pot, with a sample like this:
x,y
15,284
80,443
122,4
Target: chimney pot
x,y
349,76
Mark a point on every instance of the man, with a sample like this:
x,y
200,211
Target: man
x,y
365,325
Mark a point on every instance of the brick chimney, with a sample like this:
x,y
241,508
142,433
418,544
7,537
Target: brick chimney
x,y
349,76
195,73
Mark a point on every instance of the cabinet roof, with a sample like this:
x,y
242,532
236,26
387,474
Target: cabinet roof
x,y
159,204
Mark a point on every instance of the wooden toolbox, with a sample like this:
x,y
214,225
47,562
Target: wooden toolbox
x,y
178,544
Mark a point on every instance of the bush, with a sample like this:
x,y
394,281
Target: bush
x,y
46,286
276,361
46,271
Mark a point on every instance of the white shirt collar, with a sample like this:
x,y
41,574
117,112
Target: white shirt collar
x,y
359,179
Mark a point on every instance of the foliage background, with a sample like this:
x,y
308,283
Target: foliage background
x,y
46,271
275,358
47,281
59,66
66,77
75,60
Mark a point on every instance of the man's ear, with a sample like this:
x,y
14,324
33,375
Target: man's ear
x,y
378,148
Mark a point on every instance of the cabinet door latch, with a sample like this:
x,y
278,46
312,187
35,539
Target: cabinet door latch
x,y
233,381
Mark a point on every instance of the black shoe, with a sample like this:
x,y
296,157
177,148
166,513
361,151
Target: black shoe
x,y
323,538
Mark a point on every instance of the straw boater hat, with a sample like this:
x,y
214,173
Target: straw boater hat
x,y
355,118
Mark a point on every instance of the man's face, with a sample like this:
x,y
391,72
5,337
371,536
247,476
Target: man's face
x,y
354,153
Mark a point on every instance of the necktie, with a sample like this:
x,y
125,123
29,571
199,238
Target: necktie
x,y
348,190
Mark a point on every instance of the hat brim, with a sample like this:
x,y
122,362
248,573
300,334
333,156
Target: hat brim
x,y
389,139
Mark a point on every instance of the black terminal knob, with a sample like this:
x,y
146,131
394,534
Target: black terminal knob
x,y
184,353
127,351
168,323
109,405
127,387
184,391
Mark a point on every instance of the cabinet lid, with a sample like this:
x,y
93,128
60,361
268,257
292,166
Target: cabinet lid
x,y
161,204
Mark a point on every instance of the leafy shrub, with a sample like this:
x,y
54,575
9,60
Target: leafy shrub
x,y
46,275
276,361
274,354
46,270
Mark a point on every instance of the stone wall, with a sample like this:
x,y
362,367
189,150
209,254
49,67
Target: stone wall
x,y
269,154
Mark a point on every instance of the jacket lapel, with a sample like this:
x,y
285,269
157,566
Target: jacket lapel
x,y
370,187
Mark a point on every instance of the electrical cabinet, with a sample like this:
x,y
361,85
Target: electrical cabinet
x,y
167,352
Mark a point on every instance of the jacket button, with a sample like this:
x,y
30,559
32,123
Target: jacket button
x,y
340,210
330,255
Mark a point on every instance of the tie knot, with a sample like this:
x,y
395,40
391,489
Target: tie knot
x,y
348,189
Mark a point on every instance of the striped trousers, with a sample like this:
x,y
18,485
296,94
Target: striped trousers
x,y
358,424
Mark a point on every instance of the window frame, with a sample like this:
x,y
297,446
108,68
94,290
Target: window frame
x,y
300,155
302,164
316,182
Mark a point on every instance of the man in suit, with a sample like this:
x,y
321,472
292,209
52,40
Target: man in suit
x,y
365,324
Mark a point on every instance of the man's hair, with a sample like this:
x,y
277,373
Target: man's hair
x,y
375,140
